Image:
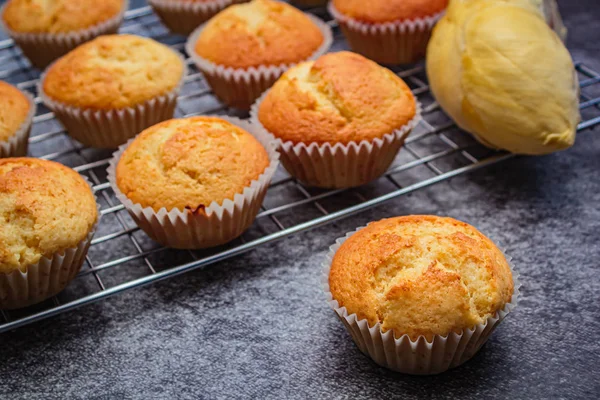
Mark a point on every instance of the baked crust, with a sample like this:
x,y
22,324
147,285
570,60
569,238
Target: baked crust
x,y
421,276
188,163
339,98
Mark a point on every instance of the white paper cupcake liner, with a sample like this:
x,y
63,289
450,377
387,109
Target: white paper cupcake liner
x,y
111,128
340,165
240,87
417,357
16,145
219,223
398,42
43,48
46,278
184,16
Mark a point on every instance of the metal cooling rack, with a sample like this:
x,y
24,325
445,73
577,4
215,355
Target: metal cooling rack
x,y
122,257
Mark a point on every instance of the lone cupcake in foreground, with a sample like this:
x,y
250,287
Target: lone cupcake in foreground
x,y
194,182
420,279
246,47
110,89
48,215
49,29
340,120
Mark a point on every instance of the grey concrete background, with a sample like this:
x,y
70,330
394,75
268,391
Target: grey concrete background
x,y
258,326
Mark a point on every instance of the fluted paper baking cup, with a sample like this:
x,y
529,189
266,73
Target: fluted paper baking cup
x,y
46,278
16,145
417,357
216,224
183,17
340,165
43,48
111,128
398,42
240,87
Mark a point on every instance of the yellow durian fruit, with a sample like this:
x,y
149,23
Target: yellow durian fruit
x,y
503,75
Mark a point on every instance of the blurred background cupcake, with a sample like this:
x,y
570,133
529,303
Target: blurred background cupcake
x,y
246,47
47,30
17,109
183,16
388,31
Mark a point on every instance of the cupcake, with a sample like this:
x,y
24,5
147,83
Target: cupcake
x,y
419,294
195,182
48,215
388,31
183,16
339,120
113,87
47,30
245,48
16,114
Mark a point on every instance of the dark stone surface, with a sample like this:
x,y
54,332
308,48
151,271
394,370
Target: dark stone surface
x,y
258,325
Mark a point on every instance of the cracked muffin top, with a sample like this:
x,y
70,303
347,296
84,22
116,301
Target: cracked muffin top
x,y
262,32
113,71
339,98
188,163
58,16
382,11
421,276
14,110
45,208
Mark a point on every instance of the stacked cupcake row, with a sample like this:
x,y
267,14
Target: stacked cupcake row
x,y
386,31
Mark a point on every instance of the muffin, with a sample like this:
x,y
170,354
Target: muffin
x,y
183,16
48,215
194,182
47,30
113,87
388,31
16,114
339,120
246,47
421,294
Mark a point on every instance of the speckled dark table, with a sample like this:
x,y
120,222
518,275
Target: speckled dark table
x,y
258,325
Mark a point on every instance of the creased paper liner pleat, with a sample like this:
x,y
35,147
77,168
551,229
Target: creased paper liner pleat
x,y
239,87
220,223
46,278
184,16
340,165
399,42
418,357
16,145
43,48
111,128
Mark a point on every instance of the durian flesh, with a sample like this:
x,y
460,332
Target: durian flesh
x,y
503,75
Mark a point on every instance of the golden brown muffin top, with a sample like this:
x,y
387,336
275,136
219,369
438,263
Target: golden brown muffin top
x,y
113,71
381,11
14,109
339,98
421,275
262,32
58,16
45,208
188,163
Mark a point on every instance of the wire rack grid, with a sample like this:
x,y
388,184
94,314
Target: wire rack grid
x,y
121,257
